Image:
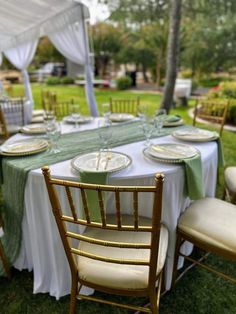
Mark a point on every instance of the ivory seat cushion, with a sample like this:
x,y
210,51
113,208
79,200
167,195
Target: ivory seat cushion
x,y
120,276
38,112
213,222
37,119
230,178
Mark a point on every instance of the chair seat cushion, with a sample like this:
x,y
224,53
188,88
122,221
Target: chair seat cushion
x,y
120,276
38,112
230,178
211,221
37,119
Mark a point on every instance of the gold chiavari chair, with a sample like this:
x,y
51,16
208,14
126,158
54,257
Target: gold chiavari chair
x,y
49,100
62,109
117,253
214,111
3,257
11,116
124,105
209,224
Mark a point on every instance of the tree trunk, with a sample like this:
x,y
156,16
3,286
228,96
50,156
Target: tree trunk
x,y
172,53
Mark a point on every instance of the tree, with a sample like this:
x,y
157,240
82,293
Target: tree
x,y
107,43
172,53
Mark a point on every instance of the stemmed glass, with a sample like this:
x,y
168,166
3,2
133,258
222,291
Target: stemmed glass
x,y
159,118
142,112
106,111
148,130
53,130
75,114
105,133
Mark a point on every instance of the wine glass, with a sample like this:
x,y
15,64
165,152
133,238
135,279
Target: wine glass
x,y
75,114
104,132
53,130
142,112
106,111
148,130
159,118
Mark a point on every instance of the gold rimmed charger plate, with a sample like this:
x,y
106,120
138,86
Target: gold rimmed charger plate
x,y
197,135
81,120
170,153
121,117
24,147
175,123
97,162
33,129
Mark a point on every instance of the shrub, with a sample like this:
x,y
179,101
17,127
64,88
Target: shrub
x,y
67,80
123,82
53,80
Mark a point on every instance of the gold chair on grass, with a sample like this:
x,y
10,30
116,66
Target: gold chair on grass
x,y
3,257
11,116
230,184
116,254
124,105
62,109
213,111
209,224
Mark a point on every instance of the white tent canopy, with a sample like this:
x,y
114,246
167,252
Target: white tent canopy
x,y
63,21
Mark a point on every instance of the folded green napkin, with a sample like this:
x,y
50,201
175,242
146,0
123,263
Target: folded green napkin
x,y
92,196
172,118
194,177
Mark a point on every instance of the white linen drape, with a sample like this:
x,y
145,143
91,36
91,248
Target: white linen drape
x,y
21,56
72,42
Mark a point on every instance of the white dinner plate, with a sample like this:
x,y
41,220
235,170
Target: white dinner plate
x,y
33,129
101,162
195,135
82,119
174,123
121,117
170,152
24,147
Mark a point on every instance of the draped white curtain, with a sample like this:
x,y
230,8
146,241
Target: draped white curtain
x,y
72,42
21,56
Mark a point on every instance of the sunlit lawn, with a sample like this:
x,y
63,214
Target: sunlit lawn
x,y
198,291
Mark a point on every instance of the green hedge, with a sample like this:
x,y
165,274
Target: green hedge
x,y
123,83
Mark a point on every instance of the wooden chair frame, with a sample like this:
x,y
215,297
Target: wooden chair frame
x,y
124,105
212,111
62,109
151,292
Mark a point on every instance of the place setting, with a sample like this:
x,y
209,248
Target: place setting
x,y
195,135
75,116
24,147
33,129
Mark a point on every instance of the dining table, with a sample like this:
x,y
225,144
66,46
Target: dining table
x,y
41,249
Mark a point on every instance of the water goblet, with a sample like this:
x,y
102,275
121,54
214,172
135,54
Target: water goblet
x,y
142,112
104,133
148,130
53,131
75,114
159,118
106,111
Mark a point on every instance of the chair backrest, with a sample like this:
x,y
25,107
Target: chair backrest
x,y
213,111
49,100
3,126
124,105
13,111
62,109
70,218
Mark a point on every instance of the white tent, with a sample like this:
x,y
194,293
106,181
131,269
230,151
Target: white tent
x,y
22,23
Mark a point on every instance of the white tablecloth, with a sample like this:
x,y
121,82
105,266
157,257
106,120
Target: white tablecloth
x,y
41,248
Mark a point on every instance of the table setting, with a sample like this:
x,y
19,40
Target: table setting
x,y
83,152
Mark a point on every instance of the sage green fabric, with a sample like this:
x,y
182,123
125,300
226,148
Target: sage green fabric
x,y
92,196
15,170
221,160
194,177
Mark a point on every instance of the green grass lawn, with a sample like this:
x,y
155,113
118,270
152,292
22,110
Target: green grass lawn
x,y
198,292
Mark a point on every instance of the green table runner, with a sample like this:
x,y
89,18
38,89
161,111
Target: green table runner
x,y
15,170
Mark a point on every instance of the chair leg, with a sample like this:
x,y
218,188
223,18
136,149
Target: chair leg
x,y
155,296
175,265
5,263
73,295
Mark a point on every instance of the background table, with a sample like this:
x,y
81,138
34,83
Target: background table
x,y
42,250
